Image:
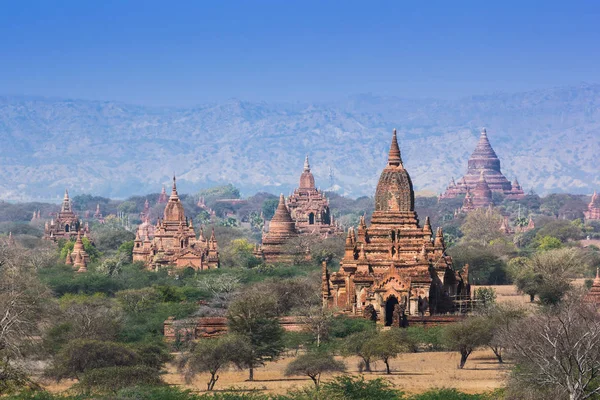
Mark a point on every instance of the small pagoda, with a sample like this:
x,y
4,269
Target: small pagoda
x,y
78,257
593,295
282,228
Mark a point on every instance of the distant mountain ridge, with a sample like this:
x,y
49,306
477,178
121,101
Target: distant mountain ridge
x,y
549,139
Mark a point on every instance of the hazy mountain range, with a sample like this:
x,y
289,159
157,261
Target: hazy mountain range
x,y
549,139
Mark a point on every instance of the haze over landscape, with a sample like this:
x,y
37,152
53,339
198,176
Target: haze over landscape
x,y
163,99
299,200
543,137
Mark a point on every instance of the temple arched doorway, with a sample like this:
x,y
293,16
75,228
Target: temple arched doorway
x,y
311,219
67,228
390,305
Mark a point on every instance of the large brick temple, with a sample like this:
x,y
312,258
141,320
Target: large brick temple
x,y
394,267
173,242
309,207
484,160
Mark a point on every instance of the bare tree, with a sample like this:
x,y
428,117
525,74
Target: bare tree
x,y
557,350
24,303
317,320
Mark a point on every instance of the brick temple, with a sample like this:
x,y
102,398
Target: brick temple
x,y
395,267
173,242
275,243
593,210
484,160
66,225
309,208
78,258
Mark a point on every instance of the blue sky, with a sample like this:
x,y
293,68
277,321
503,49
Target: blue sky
x,y
182,53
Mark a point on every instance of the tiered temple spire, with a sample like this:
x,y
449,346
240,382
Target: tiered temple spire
x,y
172,242
393,268
484,159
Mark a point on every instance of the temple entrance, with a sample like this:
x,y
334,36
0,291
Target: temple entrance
x,y
390,304
311,219
67,228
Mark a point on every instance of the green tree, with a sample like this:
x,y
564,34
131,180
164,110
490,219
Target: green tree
x,y
548,243
81,355
89,317
113,379
126,249
501,317
127,207
388,344
138,300
466,336
482,226
253,316
486,295
212,355
313,364
548,274
269,207
362,345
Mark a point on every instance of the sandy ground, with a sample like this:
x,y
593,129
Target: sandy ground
x,y
413,373
506,293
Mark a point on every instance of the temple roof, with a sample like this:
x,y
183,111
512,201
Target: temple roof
x,y
394,189
307,180
66,204
484,149
282,221
174,209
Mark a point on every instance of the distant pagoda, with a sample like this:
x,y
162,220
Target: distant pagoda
x,y
163,198
309,207
66,225
282,228
593,211
484,160
173,242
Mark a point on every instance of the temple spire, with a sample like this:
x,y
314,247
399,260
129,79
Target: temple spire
x,y
306,164
174,195
66,205
394,157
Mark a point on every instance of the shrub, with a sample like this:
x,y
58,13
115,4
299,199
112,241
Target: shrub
x,y
82,355
448,394
352,388
111,379
313,365
426,338
343,326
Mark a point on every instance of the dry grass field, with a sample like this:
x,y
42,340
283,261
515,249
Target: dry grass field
x,y
413,373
